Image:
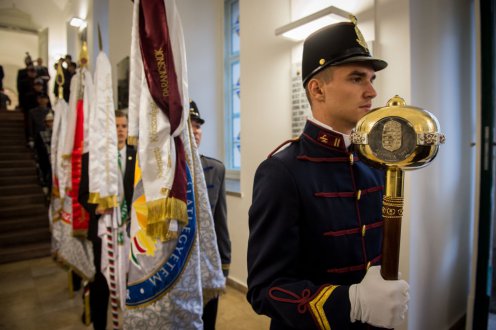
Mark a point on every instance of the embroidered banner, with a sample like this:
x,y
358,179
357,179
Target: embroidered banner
x,y
162,81
158,283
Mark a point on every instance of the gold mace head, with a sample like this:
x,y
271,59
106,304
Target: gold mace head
x,y
398,135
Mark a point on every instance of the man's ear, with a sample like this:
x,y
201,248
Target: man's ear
x,y
315,90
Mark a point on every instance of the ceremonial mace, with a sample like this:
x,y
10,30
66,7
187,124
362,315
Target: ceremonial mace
x,y
396,137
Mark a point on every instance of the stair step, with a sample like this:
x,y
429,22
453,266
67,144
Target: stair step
x,y
21,237
12,123
17,171
25,252
14,144
12,130
24,223
17,163
25,209
16,156
27,198
11,139
14,149
12,136
21,180
11,115
20,190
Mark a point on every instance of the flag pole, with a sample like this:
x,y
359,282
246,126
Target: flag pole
x,y
60,82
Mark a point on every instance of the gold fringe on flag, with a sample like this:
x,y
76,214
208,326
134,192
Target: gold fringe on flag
x,y
160,213
132,140
94,198
108,202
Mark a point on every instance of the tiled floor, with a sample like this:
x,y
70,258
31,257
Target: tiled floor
x,y
34,295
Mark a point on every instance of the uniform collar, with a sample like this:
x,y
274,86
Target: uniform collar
x,y
326,136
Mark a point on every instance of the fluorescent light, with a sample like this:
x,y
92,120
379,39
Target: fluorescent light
x,y
77,22
302,28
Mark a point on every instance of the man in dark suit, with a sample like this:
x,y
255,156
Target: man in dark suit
x,y
99,290
214,172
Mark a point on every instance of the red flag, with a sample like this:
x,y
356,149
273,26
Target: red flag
x,y
80,217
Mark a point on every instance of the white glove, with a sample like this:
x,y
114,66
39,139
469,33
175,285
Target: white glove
x,y
379,302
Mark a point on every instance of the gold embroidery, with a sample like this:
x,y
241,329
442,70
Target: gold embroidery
x,y
360,39
324,139
160,163
317,307
153,123
162,71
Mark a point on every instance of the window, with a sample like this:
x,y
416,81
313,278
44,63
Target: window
x,y
232,89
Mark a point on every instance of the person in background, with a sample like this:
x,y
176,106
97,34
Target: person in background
x,y
214,172
99,290
44,142
37,117
68,74
5,100
36,125
25,79
42,73
315,222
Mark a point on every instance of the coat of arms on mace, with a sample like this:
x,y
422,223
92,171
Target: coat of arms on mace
x,y
396,137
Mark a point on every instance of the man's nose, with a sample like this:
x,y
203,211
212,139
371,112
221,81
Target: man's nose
x,y
370,91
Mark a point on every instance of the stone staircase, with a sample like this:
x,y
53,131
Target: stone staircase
x,y
24,224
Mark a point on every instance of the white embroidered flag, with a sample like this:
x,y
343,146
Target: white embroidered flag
x,y
172,239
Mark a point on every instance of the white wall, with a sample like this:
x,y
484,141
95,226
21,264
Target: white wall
x,y
265,107
204,40
120,15
442,66
54,16
12,58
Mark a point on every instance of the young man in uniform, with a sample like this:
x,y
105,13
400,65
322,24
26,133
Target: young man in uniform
x,y
315,221
214,172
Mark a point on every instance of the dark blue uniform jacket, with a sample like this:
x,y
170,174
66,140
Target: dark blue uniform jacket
x,y
315,227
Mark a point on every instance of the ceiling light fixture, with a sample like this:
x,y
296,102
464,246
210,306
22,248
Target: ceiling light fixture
x,y
77,22
303,27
